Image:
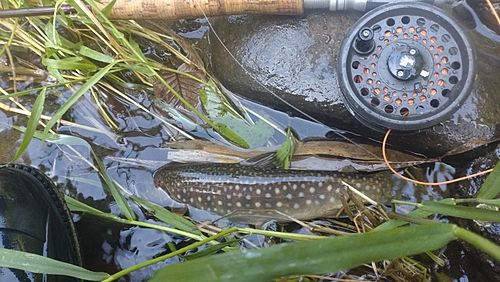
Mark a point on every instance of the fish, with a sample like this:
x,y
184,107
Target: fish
x,y
254,195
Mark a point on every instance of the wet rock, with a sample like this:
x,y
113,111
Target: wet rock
x,y
295,57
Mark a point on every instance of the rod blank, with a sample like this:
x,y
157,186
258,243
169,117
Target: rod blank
x,y
180,9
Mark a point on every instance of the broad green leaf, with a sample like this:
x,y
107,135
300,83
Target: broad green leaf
x,y
461,211
310,257
166,216
36,112
40,264
491,187
229,123
93,54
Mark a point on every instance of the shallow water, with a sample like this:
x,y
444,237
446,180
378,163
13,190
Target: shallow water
x,y
131,154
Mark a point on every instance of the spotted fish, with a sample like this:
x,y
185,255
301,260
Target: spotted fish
x,y
249,194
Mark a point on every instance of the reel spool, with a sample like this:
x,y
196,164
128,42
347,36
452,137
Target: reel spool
x,y
405,66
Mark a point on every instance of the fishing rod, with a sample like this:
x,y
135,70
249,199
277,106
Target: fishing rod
x,y
184,9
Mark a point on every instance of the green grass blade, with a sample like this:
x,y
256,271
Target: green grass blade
x,y
40,264
461,211
310,257
108,8
36,112
491,186
494,202
69,64
166,216
479,242
120,200
98,56
85,87
417,213
212,249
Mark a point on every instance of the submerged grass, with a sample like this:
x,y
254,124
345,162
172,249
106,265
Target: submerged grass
x,y
70,62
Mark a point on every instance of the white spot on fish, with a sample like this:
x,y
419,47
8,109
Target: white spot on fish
x,y
308,202
238,204
191,200
268,205
248,197
303,186
268,195
332,199
329,188
279,204
258,191
322,196
228,196
257,204
219,203
277,191
367,187
301,194
208,198
294,187
296,206
288,196
311,190
237,187
199,199
316,202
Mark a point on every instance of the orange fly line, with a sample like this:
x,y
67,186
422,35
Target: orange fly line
x,y
384,155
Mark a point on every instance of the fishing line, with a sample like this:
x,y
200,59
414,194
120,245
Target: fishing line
x,y
493,11
384,155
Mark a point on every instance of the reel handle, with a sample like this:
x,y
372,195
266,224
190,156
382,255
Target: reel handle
x,y
181,9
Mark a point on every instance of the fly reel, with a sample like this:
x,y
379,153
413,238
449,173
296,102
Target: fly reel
x,y
405,66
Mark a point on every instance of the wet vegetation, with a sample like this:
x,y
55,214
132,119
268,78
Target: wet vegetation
x,y
92,58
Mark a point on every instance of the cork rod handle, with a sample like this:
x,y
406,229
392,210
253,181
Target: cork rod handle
x,y
184,9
